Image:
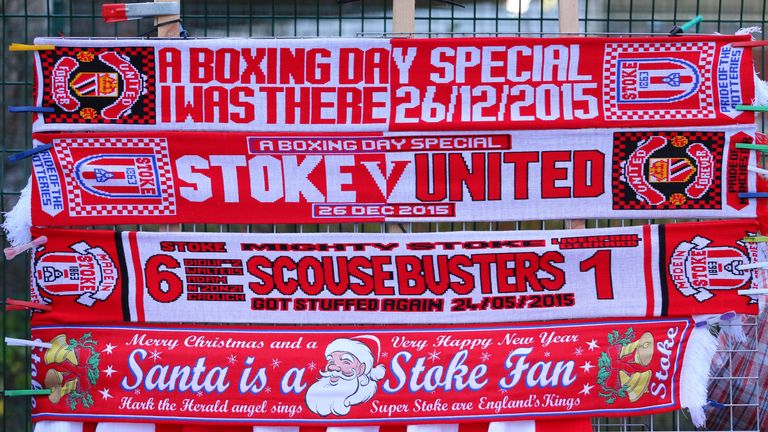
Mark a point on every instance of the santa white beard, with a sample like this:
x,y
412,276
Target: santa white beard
x,y
324,397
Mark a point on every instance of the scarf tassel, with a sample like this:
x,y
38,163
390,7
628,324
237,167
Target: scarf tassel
x,y
695,374
18,221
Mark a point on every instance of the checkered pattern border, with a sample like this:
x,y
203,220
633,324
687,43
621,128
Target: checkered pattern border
x,y
143,112
625,198
706,93
76,206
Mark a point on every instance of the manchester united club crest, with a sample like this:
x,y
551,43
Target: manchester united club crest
x,y
100,85
87,273
697,268
95,84
667,170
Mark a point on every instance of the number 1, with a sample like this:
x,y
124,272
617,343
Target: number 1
x,y
601,263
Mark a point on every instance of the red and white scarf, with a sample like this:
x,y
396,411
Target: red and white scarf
x,y
392,84
379,87
197,177
291,376
678,270
573,425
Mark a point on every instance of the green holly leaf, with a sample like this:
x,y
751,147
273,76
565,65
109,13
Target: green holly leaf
x,y
610,400
604,361
93,375
87,340
622,392
629,335
602,375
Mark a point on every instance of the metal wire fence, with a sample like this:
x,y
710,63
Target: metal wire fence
x,y
24,20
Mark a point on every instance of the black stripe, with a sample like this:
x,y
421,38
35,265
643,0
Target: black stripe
x,y
663,272
123,276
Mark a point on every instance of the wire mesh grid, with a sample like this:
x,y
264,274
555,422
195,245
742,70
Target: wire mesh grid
x,y
24,20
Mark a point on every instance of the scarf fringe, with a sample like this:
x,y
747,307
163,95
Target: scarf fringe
x,y
748,30
761,92
58,426
276,429
761,87
124,427
519,426
18,221
695,375
337,429
734,331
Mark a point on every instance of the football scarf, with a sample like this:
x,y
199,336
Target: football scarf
x,y
462,277
197,177
573,425
370,375
392,84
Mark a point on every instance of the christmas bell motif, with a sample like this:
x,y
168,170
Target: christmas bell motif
x,y
641,348
60,352
60,387
633,355
637,384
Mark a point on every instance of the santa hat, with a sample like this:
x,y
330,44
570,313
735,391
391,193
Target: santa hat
x,y
361,351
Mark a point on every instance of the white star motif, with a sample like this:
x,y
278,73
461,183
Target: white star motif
x,y
275,363
503,391
108,348
585,390
268,389
311,366
485,356
231,359
137,392
105,394
592,344
587,366
578,352
155,355
199,393
384,354
109,371
546,354
434,356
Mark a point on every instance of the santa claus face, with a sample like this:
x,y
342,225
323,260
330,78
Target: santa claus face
x,y
345,381
345,364
337,383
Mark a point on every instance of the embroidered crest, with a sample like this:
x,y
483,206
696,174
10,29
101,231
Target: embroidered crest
x,y
667,170
119,176
697,267
88,273
98,84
